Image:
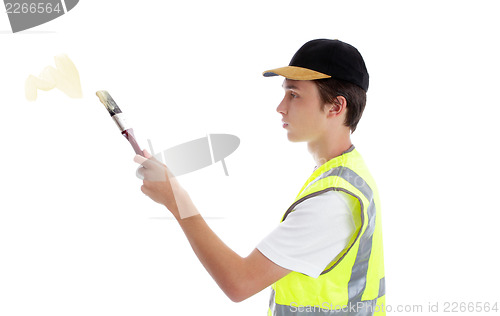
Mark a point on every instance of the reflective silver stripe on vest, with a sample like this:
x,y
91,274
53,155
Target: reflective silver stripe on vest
x,y
348,175
381,287
272,304
357,283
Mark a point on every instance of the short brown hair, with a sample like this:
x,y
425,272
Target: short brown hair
x,y
329,89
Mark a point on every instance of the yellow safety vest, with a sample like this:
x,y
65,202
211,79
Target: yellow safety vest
x,y
354,282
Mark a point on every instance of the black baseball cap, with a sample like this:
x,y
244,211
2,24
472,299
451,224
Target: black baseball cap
x,y
325,58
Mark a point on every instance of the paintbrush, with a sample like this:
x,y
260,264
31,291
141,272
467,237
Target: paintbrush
x,y
117,116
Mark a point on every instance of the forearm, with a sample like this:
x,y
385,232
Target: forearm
x,y
225,266
238,277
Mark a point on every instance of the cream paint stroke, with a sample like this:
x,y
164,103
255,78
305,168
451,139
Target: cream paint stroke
x,y
65,77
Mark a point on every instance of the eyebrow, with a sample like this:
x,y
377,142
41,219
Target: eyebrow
x,y
289,87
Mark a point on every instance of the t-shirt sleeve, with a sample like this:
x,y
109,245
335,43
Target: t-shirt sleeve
x,y
313,234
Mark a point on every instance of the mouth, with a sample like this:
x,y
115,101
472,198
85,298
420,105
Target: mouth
x,y
285,124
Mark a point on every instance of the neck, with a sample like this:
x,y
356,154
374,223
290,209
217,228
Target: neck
x,y
329,146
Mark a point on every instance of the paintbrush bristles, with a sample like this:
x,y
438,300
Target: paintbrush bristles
x,y
108,102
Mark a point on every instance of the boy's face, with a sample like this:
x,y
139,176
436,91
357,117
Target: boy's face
x,y
301,110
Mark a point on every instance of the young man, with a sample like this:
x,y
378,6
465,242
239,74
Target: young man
x,y
325,257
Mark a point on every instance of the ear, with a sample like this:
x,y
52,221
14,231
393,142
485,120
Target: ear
x,y
338,106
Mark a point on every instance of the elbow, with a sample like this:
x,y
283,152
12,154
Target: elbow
x,y
237,294
237,298
238,285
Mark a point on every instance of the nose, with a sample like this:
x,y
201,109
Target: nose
x,y
282,107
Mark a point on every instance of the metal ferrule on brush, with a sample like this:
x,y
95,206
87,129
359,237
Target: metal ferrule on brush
x,y
113,109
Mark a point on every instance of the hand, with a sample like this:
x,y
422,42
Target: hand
x,y
162,186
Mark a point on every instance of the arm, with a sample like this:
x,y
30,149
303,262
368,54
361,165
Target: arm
x,y
238,277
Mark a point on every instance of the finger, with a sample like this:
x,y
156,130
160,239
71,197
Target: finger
x,y
146,162
139,159
139,173
154,174
146,153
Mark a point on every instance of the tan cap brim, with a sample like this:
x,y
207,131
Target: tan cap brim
x,y
295,73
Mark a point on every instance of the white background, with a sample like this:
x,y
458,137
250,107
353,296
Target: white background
x,y
77,236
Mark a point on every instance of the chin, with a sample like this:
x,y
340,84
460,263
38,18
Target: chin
x,y
293,138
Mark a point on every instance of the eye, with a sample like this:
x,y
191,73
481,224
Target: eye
x,y
293,95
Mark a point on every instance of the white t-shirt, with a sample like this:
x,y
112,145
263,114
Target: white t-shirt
x,y
313,234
